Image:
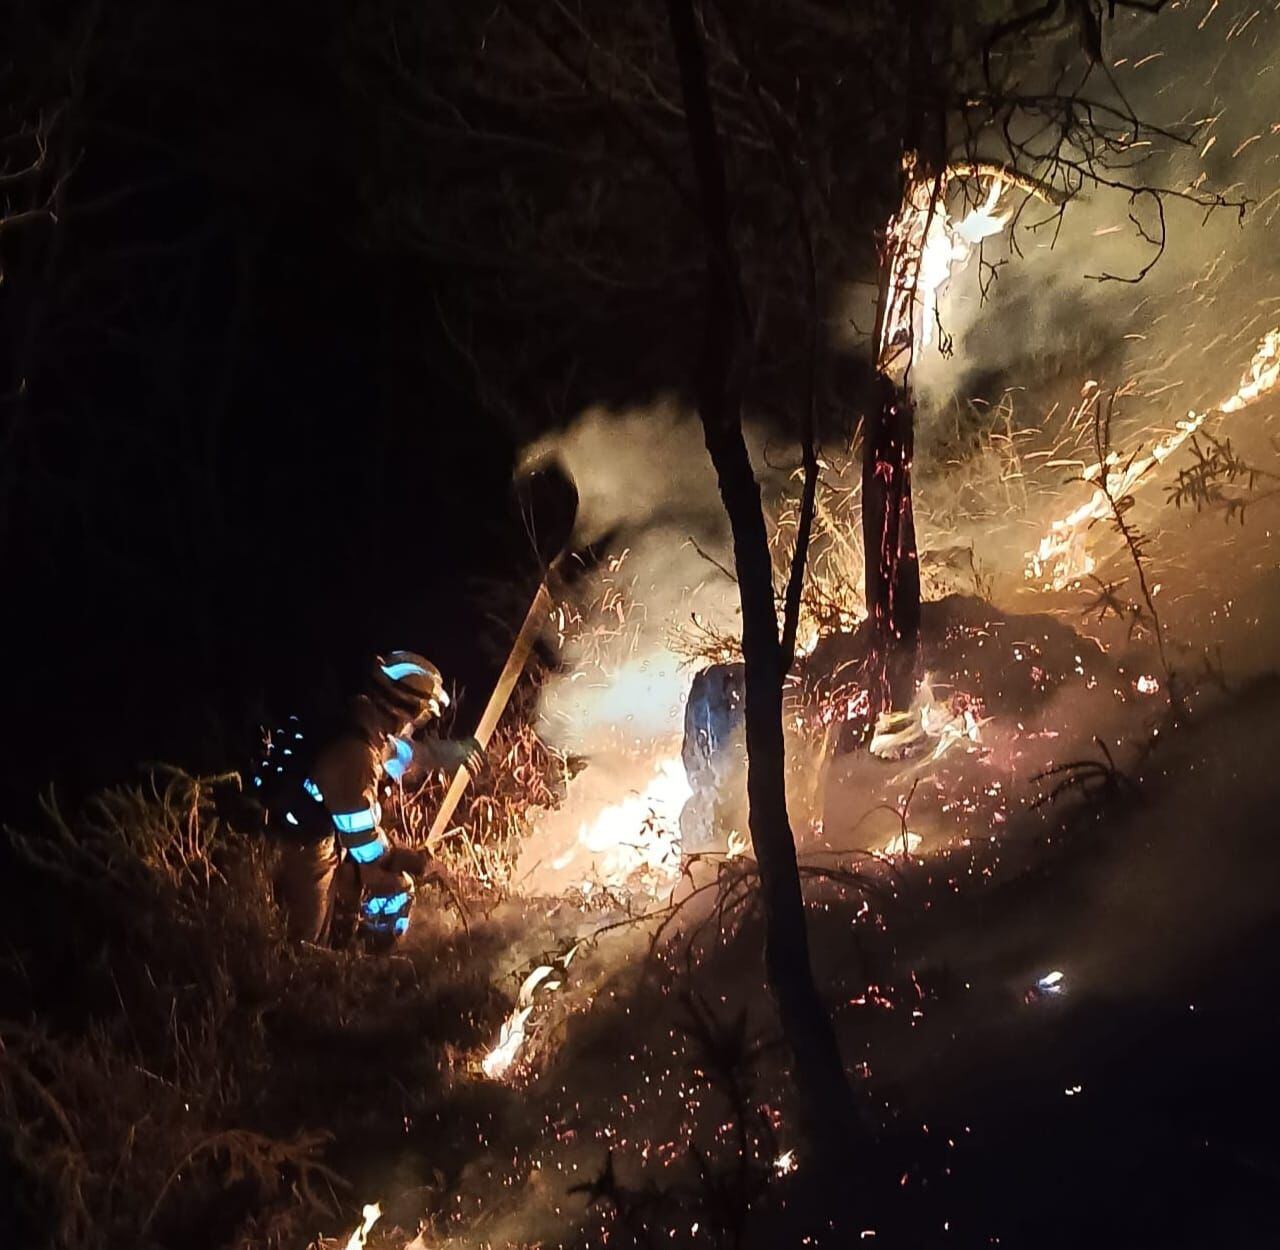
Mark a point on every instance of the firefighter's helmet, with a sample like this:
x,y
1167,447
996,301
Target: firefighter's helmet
x,y
409,686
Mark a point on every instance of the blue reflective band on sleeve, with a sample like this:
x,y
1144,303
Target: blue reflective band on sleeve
x,y
386,905
396,767
397,671
384,924
357,822
313,790
367,853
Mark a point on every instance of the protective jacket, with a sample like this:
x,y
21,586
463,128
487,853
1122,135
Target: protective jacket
x,y
323,802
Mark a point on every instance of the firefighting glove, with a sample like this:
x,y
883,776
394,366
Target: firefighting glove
x,y
422,866
463,752
385,900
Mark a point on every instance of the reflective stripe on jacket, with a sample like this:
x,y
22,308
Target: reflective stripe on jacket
x,y
346,775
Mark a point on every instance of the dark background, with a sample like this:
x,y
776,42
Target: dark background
x,y
311,276
239,454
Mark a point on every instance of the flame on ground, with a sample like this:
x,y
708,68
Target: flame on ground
x,y
901,844
1062,557
497,1063
641,832
372,1213
631,844
617,831
546,977
943,722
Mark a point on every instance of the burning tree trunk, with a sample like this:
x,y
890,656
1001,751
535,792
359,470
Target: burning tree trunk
x,y
919,248
914,261
889,540
826,1098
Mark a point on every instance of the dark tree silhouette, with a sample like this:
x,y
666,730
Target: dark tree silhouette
x,y
818,1071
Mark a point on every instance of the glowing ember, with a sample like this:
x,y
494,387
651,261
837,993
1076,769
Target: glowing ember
x,y
737,845
1061,557
372,1214
1147,685
785,1163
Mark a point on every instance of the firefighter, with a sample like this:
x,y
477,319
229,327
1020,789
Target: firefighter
x,y
337,872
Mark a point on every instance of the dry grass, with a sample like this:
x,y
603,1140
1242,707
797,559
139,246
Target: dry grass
x,y
521,774
171,1071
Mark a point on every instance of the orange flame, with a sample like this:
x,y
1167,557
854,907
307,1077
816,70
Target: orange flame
x,y
1061,557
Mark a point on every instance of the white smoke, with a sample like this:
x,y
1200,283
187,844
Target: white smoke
x,y
1190,325
645,483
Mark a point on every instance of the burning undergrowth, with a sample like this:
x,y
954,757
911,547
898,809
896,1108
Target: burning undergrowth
x,y
975,877
658,1112
653,1106
588,1056
653,1103
617,933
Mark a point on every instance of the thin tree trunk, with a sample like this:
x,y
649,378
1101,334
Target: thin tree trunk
x,y
889,543
825,1096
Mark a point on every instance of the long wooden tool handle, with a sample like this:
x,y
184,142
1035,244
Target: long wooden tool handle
x,y
537,615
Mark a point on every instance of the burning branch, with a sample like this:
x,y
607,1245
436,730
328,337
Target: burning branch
x,y
1061,557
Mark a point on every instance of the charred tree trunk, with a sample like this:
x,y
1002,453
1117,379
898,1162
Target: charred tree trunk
x,y
817,1069
889,541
